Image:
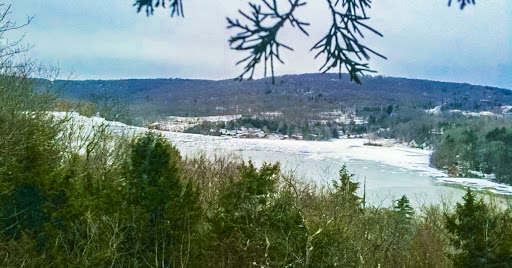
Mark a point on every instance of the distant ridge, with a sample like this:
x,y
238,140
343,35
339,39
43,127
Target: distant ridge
x,y
306,92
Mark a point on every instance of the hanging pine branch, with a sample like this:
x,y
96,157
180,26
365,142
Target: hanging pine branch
x,y
149,6
462,3
259,37
341,45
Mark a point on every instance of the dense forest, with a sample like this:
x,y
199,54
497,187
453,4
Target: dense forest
x,y
84,197
476,146
296,96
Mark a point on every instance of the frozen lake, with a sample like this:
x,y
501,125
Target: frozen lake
x,y
389,172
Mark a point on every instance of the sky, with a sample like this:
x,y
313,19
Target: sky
x,y
108,40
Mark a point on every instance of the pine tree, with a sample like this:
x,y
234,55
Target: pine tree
x,y
256,223
345,190
403,208
470,226
168,207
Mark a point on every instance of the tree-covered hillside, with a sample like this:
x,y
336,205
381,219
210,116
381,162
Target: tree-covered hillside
x,y
298,95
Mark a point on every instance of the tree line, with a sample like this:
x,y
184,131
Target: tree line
x,y
482,145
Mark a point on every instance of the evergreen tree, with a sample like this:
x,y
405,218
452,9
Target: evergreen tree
x,y
470,226
389,110
336,242
168,207
256,224
403,208
345,190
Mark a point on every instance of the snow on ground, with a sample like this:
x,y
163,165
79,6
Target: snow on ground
x,y
435,110
87,124
474,114
397,156
506,109
494,187
340,150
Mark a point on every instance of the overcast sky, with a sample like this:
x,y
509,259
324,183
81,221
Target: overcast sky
x,y
98,39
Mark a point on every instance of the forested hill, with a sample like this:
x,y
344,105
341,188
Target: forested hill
x,y
308,92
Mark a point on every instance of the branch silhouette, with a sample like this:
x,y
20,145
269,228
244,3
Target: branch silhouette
x,y
260,38
341,47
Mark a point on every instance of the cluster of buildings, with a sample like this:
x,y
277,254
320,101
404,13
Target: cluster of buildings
x,y
179,123
242,132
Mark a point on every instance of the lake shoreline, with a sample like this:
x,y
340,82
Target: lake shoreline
x,y
338,151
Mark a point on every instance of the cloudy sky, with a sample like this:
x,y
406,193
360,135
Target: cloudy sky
x,y
422,39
